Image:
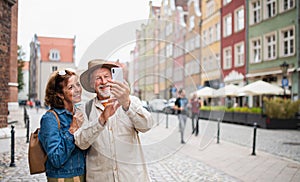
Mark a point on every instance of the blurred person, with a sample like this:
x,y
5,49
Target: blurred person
x,y
111,129
195,106
37,104
180,106
66,161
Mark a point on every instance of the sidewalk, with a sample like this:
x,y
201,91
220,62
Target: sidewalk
x,y
232,159
16,119
238,162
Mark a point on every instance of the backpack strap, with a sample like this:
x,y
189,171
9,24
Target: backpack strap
x,y
88,108
55,114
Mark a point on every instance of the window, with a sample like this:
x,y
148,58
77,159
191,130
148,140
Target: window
x,y
210,7
169,29
169,50
270,8
204,38
210,35
54,68
256,51
192,68
239,19
192,23
287,39
255,12
239,54
218,31
226,2
227,26
197,41
54,55
227,58
178,76
270,46
286,5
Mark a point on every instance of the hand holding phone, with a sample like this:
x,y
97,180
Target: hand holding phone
x,y
117,74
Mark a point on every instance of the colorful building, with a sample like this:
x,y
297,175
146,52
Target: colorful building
x,y
48,54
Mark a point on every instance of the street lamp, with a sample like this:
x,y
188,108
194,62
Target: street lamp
x,y
285,82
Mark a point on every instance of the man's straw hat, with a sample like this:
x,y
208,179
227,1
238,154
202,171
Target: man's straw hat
x,y
92,66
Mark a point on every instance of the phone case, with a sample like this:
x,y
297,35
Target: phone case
x,y
117,74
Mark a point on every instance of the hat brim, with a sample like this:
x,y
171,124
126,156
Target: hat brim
x,y
85,76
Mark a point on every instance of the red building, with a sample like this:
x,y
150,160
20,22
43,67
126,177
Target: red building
x,y
233,41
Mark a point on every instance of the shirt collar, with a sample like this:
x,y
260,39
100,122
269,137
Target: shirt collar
x,y
98,103
61,110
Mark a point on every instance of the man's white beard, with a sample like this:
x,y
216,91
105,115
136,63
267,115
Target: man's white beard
x,y
104,93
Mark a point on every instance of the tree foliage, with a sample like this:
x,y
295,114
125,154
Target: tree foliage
x,y
21,55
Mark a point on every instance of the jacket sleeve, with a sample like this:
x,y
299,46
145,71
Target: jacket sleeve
x,y
88,132
139,116
58,145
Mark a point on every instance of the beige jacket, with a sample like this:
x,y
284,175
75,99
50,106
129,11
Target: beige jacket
x,y
115,153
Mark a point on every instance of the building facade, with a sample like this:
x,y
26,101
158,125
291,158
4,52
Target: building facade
x,y
8,58
48,54
273,39
233,42
216,43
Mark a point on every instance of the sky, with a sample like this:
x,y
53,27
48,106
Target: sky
x,y
87,20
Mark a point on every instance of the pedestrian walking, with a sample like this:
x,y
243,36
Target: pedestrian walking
x,y
37,105
180,106
113,121
195,106
66,161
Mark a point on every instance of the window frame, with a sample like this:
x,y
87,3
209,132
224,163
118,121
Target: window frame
x,y
282,40
227,59
257,47
272,45
239,62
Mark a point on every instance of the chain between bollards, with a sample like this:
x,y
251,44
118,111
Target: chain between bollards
x,y
12,154
218,132
254,139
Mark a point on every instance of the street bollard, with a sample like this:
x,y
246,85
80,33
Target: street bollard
x,y
157,118
254,139
25,114
12,154
28,124
167,119
218,132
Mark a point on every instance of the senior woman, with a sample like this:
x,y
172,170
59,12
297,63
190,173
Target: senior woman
x,y
66,162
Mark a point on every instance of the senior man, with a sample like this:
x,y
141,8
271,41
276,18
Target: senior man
x,y
110,131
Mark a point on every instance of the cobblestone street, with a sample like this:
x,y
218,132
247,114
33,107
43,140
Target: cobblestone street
x,y
175,168
168,160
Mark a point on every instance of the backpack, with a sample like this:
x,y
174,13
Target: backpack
x,y
88,108
37,157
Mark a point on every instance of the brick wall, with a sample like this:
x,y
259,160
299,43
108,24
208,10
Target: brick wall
x,y
5,39
13,67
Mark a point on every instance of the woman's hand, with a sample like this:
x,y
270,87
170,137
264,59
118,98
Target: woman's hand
x,y
77,122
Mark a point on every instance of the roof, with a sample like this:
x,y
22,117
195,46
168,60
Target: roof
x,y
63,45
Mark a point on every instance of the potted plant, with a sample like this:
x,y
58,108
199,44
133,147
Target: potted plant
x,y
281,113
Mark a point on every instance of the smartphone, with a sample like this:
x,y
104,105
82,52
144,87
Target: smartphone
x,y
117,74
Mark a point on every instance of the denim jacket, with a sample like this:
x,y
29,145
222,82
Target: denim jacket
x,y
65,159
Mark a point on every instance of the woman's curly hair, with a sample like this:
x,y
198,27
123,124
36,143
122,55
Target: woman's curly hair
x,y
57,81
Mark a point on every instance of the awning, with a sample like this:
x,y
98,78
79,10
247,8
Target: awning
x,y
275,72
